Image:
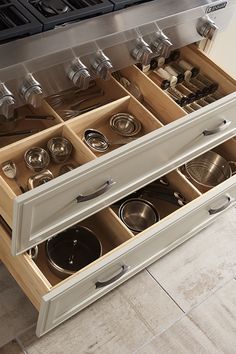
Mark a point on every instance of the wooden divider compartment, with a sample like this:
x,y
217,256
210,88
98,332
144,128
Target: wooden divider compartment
x,y
112,91
99,120
28,124
154,98
35,277
9,189
207,67
198,59
178,183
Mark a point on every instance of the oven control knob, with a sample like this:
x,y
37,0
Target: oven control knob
x,y
206,27
7,102
31,91
142,53
161,45
79,74
102,66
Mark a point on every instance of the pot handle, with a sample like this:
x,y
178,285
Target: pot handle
x,y
107,185
232,165
223,207
224,125
101,284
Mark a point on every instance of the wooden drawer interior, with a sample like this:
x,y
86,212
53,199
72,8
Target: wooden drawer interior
x,y
99,120
157,101
153,193
28,119
99,94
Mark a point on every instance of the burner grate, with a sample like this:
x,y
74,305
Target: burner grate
x,y
16,21
53,13
121,4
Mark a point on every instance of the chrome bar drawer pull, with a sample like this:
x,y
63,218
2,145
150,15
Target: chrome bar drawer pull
x,y
101,190
223,126
223,207
101,284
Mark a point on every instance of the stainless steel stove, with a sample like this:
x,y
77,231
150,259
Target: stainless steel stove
x,y
74,53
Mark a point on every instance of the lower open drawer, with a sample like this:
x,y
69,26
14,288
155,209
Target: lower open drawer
x,y
124,253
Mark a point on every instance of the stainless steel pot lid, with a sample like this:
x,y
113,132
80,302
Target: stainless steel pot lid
x,y
125,124
72,250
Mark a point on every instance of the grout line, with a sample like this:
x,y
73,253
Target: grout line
x,y
21,345
137,312
165,291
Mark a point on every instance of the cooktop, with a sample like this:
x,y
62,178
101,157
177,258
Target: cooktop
x,y
20,18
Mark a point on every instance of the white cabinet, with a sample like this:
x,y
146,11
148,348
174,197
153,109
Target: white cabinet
x,y
87,194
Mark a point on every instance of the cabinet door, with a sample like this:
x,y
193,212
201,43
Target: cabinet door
x,y
62,202
87,286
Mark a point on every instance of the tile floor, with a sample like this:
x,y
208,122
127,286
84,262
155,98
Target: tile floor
x,y
183,303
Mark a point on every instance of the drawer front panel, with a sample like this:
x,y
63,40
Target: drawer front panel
x,y
85,287
50,208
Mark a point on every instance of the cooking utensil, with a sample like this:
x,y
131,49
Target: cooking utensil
x,y
208,170
97,141
62,97
39,179
133,89
72,250
36,159
60,149
138,214
10,171
38,117
125,124
66,114
19,132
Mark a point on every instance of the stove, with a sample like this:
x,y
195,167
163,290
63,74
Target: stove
x,y
16,21
74,47
52,13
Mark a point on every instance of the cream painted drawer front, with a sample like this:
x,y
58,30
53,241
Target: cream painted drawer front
x,y
50,208
96,280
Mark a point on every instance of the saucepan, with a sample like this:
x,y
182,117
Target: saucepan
x,y
72,250
208,170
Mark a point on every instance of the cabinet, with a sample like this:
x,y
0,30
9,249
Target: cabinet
x,y
87,194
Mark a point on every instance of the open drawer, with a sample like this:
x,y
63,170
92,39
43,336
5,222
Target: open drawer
x,y
44,211
124,254
98,182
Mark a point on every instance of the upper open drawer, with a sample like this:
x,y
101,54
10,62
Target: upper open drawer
x,y
44,211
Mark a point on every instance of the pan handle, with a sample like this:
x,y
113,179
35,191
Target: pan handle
x,y
223,207
223,126
101,284
232,165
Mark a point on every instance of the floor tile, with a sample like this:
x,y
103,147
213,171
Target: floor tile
x,y
110,325
16,311
216,317
194,270
11,348
182,338
151,302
